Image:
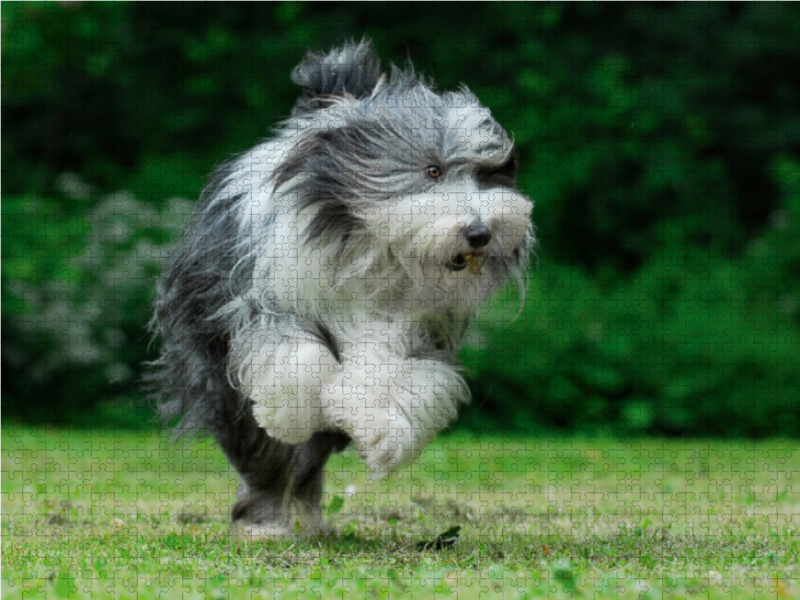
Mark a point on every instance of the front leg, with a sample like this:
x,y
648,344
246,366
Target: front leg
x,y
390,404
283,376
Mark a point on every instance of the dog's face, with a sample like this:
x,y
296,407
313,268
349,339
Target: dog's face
x,y
425,179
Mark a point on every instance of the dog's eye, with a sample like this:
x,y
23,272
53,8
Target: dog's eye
x,y
433,171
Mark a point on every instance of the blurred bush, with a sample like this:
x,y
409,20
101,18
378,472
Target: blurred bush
x,y
77,289
660,143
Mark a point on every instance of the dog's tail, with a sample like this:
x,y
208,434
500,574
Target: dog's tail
x,y
353,70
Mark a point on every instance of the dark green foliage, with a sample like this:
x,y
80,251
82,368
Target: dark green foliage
x,y
660,143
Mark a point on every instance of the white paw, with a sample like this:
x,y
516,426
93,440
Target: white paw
x,y
391,409
284,422
387,447
285,389
384,436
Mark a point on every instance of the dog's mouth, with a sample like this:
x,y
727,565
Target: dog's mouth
x,y
462,260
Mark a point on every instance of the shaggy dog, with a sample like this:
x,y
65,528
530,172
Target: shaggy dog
x,y
327,277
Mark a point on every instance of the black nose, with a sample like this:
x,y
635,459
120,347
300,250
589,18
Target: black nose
x,y
478,235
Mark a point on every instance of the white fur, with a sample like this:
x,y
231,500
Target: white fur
x,y
390,405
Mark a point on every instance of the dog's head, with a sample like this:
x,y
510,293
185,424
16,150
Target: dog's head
x,y
383,162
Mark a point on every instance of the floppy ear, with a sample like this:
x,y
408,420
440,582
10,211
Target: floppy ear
x,y
352,71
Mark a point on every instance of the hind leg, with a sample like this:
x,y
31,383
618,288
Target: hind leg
x,y
281,490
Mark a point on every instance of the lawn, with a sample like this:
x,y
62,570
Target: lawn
x,y
124,514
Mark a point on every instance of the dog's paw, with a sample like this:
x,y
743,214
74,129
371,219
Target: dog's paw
x,y
391,409
386,440
261,517
387,448
383,434
286,389
278,530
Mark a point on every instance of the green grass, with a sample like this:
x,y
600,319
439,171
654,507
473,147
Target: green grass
x,y
124,514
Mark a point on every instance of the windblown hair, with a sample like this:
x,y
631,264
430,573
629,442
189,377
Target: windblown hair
x,y
328,274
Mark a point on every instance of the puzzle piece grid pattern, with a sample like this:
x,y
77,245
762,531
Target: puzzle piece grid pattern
x,y
85,484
